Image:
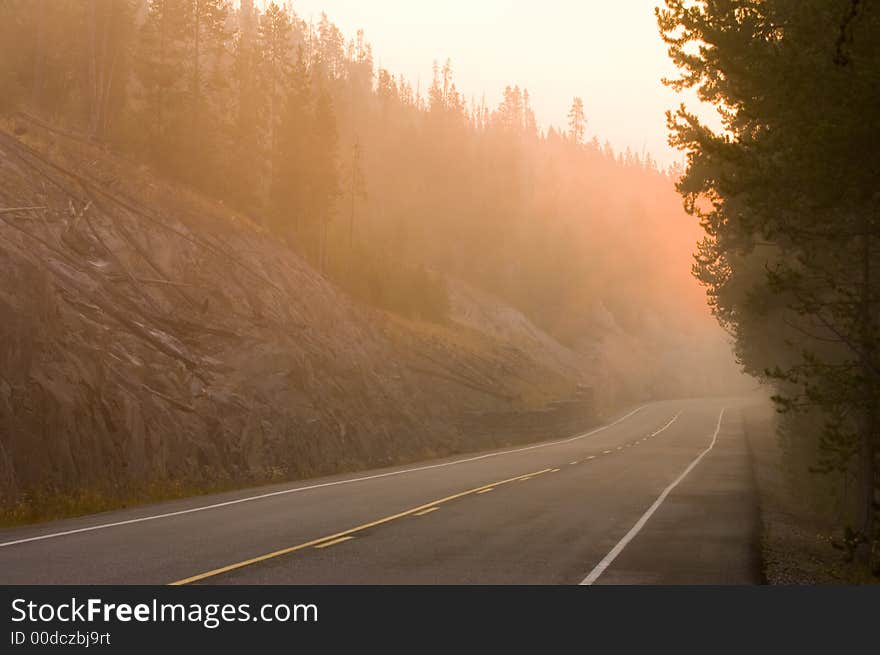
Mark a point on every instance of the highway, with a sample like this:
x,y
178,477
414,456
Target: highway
x,y
662,494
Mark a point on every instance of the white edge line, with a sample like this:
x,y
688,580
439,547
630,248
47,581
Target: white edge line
x,y
611,556
104,526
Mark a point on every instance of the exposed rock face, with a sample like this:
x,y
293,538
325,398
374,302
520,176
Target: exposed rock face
x,y
152,341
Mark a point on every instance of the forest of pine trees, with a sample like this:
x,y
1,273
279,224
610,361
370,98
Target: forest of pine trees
x,y
386,187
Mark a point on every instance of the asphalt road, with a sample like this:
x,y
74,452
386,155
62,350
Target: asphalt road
x,y
663,495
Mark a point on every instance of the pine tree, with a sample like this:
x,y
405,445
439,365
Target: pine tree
x,y
110,24
246,157
356,188
205,38
577,122
386,90
291,193
275,46
790,211
530,125
13,57
161,74
325,184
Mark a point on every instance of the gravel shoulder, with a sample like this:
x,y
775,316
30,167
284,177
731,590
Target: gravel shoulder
x,y
795,539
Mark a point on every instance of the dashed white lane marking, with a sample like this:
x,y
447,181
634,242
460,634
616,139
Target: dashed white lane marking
x,y
327,544
591,457
154,517
611,556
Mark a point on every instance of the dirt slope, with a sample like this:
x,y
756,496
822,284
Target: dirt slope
x,y
153,343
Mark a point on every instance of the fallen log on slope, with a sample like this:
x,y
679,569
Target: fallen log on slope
x,y
12,210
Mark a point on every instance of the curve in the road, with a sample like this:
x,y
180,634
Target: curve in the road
x,y
237,501
599,569
339,537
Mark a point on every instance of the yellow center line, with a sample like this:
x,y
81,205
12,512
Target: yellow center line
x,y
426,511
532,475
485,491
334,542
555,470
345,533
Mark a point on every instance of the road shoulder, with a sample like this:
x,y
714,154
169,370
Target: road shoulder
x,y
708,529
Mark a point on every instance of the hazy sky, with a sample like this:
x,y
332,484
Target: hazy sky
x,y
607,51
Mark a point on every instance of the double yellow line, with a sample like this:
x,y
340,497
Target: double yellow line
x,y
339,536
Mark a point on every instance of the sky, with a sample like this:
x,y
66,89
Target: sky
x,y
606,51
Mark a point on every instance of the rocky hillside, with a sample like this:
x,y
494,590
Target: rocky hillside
x,y
153,344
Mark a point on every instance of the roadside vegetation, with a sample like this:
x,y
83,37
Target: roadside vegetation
x,y
787,195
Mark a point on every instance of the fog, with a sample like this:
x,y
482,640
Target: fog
x,y
392,186
390,257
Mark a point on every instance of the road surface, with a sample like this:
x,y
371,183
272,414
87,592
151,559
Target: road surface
x,y
664,494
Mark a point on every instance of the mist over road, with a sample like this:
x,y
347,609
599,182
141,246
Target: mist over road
x,y
662,495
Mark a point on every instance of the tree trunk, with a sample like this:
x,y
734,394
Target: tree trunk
x,y
868,486
39,59
868,445
160,86
101,65
93,67
197,74
107,68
